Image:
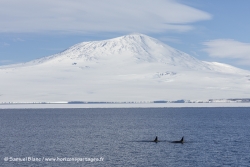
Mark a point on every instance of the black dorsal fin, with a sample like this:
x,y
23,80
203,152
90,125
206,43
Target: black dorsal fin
x,y
182,139
156,139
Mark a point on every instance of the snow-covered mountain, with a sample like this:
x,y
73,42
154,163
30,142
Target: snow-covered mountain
x,y
134,67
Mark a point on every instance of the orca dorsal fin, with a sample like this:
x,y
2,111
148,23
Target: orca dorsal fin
x,y
182,139
156,139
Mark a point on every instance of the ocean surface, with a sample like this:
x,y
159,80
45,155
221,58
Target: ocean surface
x,y
123,137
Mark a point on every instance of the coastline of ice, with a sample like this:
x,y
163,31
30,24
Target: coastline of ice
x,y
123,105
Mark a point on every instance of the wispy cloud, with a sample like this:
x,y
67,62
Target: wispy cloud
x,y
229,48
5,61
4,44
91,16
169,39
18,40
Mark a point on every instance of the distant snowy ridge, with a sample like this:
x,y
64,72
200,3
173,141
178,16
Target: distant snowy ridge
x,y
236,100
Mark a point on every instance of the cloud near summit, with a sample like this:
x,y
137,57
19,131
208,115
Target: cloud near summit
x,y
89,16
229,48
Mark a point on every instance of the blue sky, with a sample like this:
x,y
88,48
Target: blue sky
x,y
209,30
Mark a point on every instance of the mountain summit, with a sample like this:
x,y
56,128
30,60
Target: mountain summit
x,y
133,48
133,67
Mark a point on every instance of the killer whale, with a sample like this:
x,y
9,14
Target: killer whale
x,y
179,141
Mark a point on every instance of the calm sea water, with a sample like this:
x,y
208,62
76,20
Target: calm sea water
x,y
213,137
